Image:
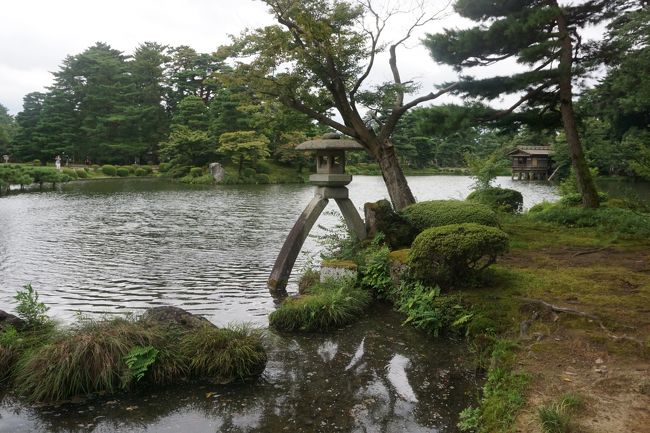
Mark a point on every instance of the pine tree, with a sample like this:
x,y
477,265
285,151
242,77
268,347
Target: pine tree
x,y
541,35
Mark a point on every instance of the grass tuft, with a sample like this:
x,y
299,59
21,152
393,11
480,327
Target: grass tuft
x,y
556,417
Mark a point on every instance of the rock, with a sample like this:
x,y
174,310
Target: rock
x,y
380,217
174,316
337,269
7,319
398,265
217,171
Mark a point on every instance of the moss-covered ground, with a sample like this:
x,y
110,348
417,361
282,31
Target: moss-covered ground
x,y
577,302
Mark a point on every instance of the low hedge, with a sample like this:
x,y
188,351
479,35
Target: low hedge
x,y
122,171
437,213
452,255
196,172
81,173
506,199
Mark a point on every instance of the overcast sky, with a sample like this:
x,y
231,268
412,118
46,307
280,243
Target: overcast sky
x,y
36,35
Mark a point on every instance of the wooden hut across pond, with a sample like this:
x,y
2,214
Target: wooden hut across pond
x,y
330,179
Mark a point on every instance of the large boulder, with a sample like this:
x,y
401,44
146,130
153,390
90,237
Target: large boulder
x,y
7,319
380,217
174,317
217,171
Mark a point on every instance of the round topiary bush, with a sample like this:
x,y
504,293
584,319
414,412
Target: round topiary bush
x,y
453,254
109,170
140,171
70,172
436,213
36,163
262,178
95,167
122,171
179,171
81,173
164,167
248,172
506,199
263,167
196,172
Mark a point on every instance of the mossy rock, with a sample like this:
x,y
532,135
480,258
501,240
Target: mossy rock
x,y
380,217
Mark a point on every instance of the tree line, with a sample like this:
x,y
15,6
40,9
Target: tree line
x,y
274,86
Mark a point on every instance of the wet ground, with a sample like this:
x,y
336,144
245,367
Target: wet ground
x,y
374,376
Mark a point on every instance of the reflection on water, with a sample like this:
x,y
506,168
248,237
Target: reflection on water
x,y
374,376
123,245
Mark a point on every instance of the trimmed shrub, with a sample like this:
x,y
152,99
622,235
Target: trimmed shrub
x,y
248,172
452,254
36,163
179,171
539,207
321,309
505,199
132,168
263,167
122,171
262,178
164,167
70,172
140,172
147,169
81,173
575,199
436,213
109,170
95,167
196,172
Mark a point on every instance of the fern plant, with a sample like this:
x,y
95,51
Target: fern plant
x,y
138,360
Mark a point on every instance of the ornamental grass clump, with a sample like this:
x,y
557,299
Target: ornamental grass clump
x,y
437,213
82,360
223,355
454,255
322,308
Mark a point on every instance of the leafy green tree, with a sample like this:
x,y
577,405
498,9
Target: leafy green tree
x,y
243,146
544,37
189,142
24,145
150,124
7,130
318,59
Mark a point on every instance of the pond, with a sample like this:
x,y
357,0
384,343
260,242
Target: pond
x,y
122,245
119,246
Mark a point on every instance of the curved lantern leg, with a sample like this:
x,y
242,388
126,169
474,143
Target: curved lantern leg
x,y
277,282
352,218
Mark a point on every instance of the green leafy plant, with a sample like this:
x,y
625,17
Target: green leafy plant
x,y
556,416
375,273
29,308
139,359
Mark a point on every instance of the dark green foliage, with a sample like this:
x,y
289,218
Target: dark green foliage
x,y
322,308
140,171
611,220
453,255
437,213
109,170
222,355
397,231
262,179
29,308
196,172
179,171
575,199
122,171
248,172
375,271
263,167
429,310
505,199
81,173
164,167
36,162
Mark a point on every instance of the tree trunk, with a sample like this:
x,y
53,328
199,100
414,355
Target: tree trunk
x,y
585,181
398,189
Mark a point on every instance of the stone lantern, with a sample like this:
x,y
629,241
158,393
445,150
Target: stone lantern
x,y
330,179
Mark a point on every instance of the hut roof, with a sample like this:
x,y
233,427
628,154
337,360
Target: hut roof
x,y
532,150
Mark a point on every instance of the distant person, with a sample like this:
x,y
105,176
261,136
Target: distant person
x,y
87,162
57,162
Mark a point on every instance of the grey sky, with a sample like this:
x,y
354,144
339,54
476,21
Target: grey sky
x,y
36,35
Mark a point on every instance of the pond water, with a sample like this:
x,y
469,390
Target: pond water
x,y
119,246
122,245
